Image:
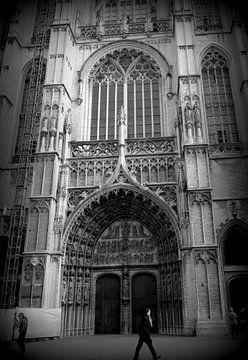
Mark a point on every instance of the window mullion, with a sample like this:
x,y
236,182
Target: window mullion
x,y
37,231
32,286
212,106
98,113
115,131
134,108
143,107
152,120
226,101
219,105
107,111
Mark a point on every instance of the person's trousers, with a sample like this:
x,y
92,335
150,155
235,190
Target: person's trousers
x,y
148,341
21,343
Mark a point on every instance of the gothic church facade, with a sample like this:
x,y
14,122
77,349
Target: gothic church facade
x,y
123,165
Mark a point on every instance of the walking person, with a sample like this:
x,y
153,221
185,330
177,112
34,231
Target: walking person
x,y
145,327
22,328
233,321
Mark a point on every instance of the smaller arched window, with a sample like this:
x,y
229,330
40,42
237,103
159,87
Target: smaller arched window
x,y
236,247
207,15
114,11
221,119
32,285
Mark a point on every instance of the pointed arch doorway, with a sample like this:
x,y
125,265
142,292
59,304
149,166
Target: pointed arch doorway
x,y
107,310
125,233
144,294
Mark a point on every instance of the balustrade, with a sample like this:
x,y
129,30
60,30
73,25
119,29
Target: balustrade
x,y
159,26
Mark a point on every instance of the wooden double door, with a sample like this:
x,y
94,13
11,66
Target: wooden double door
x,y
108,302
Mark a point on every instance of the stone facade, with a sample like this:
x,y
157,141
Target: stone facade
x,y
124,165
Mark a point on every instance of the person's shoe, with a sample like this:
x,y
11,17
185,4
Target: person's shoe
x,y
157,357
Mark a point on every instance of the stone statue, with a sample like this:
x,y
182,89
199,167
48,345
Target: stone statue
x,y
122,126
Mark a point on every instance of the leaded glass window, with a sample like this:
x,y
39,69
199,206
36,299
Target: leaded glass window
x,y
131,77
207,15
113,11
221,119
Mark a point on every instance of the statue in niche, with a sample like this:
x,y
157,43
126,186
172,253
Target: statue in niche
x,y
188,118
53,124
134,229
126,229
100,28
148,25
39,273
122,126
188,113
78,292
141,230
125,287
197,117
44,124
196,111
28,274
64,290
86,291
70,292
73,260
125,21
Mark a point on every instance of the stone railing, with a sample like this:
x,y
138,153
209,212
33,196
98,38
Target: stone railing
x,y
148,146
209,28
95,31
82,149
228,148
151,146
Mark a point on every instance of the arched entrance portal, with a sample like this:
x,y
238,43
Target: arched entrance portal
x,y
144,294
107,310
238,297
122,232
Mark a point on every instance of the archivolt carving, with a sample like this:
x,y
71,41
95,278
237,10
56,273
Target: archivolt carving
x,y
119,202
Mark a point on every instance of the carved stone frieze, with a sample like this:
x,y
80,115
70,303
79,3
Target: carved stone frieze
x,y
125,243
39,204
81,149
151,146
124,28
184,218
200,197
226,148
58,224
75,196
205,255
167,193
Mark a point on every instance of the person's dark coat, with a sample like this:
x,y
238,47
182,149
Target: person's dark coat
x,y
145,327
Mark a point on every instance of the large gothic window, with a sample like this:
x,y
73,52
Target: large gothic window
x,y
221,120
125,77
113,11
